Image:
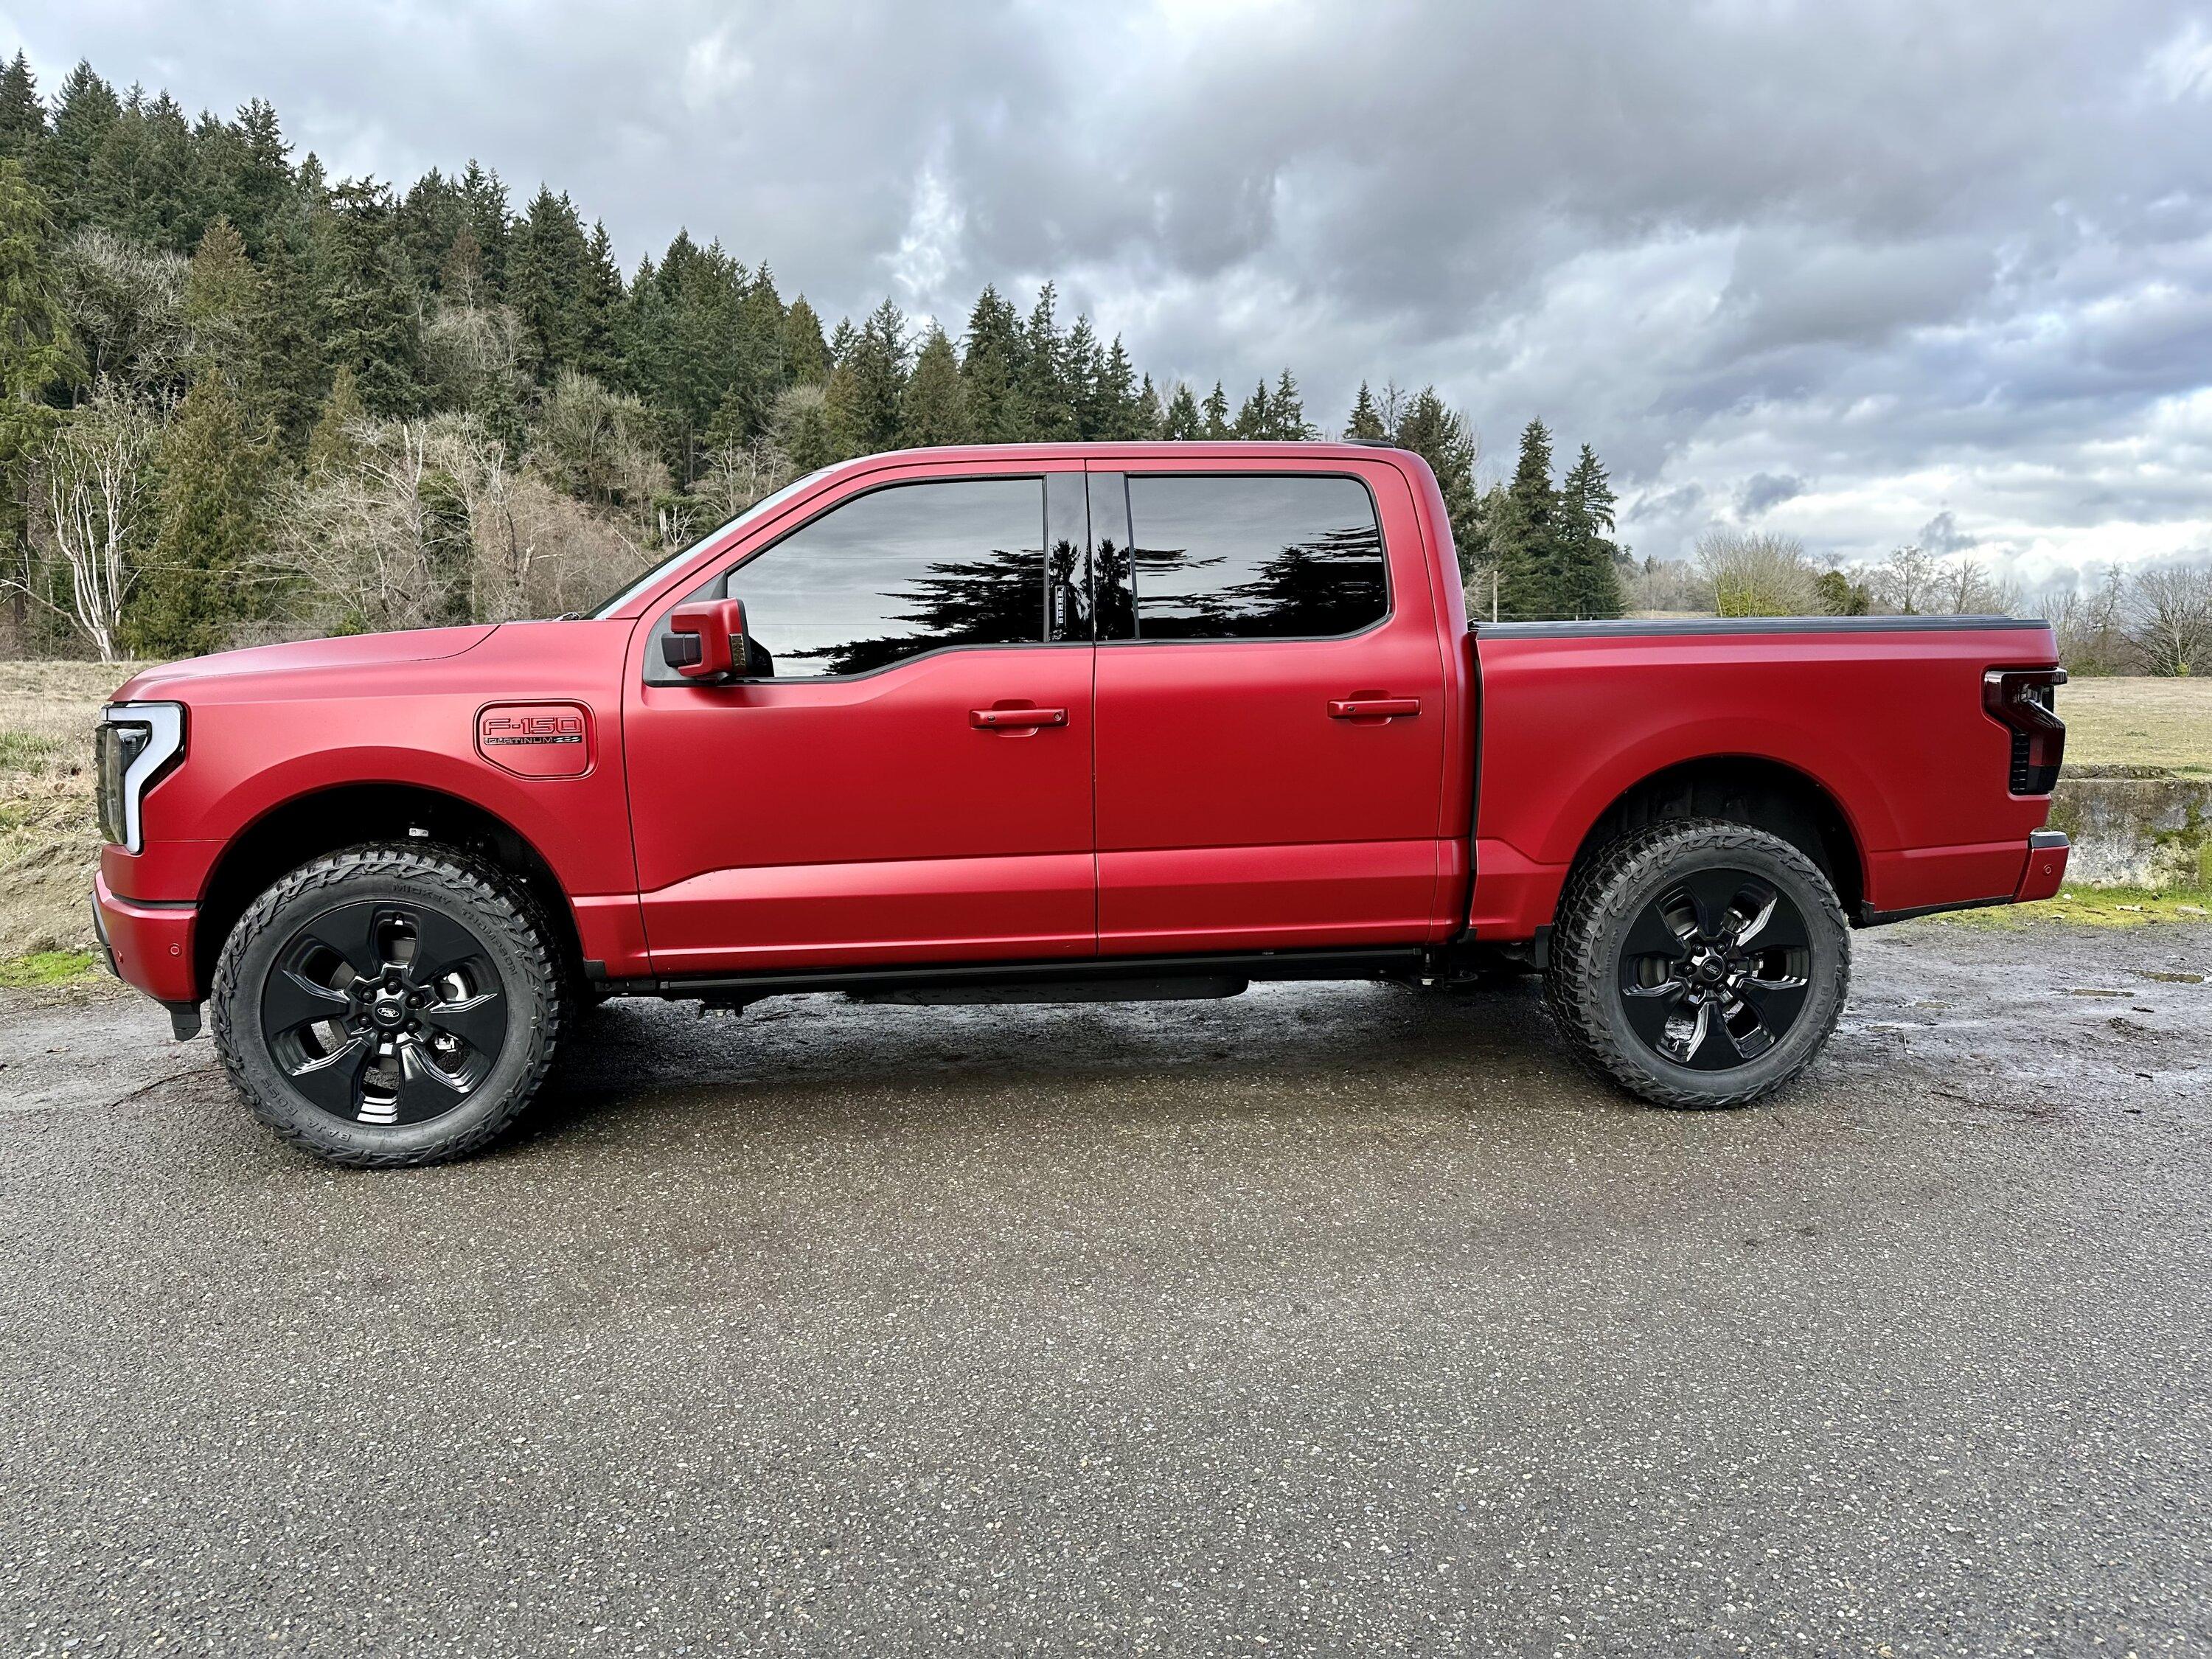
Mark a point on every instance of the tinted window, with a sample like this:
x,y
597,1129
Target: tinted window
x,y
898,572
1255,557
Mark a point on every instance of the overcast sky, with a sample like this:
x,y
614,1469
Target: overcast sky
x,y
1862,272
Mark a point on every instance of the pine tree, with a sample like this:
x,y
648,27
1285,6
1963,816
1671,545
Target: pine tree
x,y
1286,412
1590,571
1255,419
1049,411
806,355
23,116
199,584
1366,421
1526,539
1441,436
369,306
991,366
1152,415
866,385
1183,423
227,313
933,409
551,285
483,206
1216,410
332,447
257,192
62,167
37,354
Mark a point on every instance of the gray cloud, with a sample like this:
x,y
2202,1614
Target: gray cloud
x,y
1949,263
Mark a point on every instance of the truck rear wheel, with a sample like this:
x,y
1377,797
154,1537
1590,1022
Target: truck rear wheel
x,y
388,1005
1698,962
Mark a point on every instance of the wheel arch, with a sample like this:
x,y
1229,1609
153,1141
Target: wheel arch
x,y
1754,790
306,826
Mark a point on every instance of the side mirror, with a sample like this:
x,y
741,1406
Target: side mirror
x,y
706,640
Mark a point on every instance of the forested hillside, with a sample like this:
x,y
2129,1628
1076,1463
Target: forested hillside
x,y
246,400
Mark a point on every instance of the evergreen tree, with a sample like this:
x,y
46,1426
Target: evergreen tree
x,y
292,364
369,306
865,386
1255,419
551,287
1286,412
991,368
805,355
484,209
1589,565
1152,415
1183,423
256,189
1526,538
23,116
37,354
1047,400
199,584
1216,410
227,313
1366,421
332,447
139,184
62,167
933,409
1441,436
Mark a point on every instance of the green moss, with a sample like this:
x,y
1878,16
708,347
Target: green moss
x,y
2093,907
48,968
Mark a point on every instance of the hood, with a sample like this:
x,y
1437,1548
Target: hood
x,y
352,651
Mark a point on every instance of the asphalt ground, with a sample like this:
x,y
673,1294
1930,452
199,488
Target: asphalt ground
x,y
1332,1318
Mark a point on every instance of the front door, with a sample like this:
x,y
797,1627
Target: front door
x,y
905,777
1270,707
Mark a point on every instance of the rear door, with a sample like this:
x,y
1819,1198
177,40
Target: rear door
x,y
905,777
1270,711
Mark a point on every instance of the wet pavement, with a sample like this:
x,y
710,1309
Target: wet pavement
x,y
1326,1319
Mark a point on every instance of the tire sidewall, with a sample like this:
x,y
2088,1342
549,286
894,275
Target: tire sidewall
x,y
509,944
1799,880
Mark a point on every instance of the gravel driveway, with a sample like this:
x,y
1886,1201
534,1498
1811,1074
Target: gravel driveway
x,y
1330,1318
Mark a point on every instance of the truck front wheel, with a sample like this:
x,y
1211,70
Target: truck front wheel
x,y
388,1005
1698,962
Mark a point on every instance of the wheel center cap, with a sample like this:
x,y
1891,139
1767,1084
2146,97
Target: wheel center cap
x,y
1710,970
388,1011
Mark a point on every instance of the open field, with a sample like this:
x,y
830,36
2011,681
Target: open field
x,y
48,843
2140,722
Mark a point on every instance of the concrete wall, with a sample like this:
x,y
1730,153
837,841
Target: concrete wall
x,y
2136,827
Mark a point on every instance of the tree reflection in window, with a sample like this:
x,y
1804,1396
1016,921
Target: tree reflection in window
x,y
1255,557
898,572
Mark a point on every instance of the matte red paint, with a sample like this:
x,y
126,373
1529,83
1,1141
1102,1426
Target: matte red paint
x,y
1063,801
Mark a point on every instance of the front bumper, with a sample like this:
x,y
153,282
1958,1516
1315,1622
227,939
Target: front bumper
x,y
149,946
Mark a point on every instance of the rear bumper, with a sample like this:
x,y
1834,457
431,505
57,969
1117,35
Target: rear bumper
x,y
2047,851
2041,874
149,946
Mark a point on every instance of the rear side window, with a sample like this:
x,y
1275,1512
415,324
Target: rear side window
x,y
897,572
1255,557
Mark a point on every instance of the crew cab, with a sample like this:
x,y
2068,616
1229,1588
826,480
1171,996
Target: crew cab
x,y
1125,721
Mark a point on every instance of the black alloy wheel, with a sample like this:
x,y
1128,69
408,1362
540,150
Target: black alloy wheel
x,y
1714,969
1699,962
384,1013
386,1005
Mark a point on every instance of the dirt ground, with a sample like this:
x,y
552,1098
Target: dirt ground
x,y
1333,1318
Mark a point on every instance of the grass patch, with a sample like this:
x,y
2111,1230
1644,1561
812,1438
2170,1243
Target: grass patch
x,y
2134,722
26,751
2092,907
42,968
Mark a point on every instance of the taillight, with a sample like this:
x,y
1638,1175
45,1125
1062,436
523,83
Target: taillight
x,y
2024,701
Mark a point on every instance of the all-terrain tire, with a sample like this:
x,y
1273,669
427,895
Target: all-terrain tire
x,y
1606,893
515,941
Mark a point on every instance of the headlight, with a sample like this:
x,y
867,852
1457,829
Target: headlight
x,y
137,744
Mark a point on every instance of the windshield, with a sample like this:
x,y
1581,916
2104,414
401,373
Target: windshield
x,y
766,504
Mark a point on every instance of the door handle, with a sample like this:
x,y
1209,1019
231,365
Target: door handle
x,y
1015,720
1366,708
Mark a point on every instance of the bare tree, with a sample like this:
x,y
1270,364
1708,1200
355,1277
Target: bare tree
x,y
98,498
2168,613
127,304
1906,583
1756,573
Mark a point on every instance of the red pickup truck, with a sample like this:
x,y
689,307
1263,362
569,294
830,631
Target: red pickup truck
x,y
1102,722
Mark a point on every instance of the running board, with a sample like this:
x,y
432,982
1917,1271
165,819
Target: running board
x,y
1074,979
